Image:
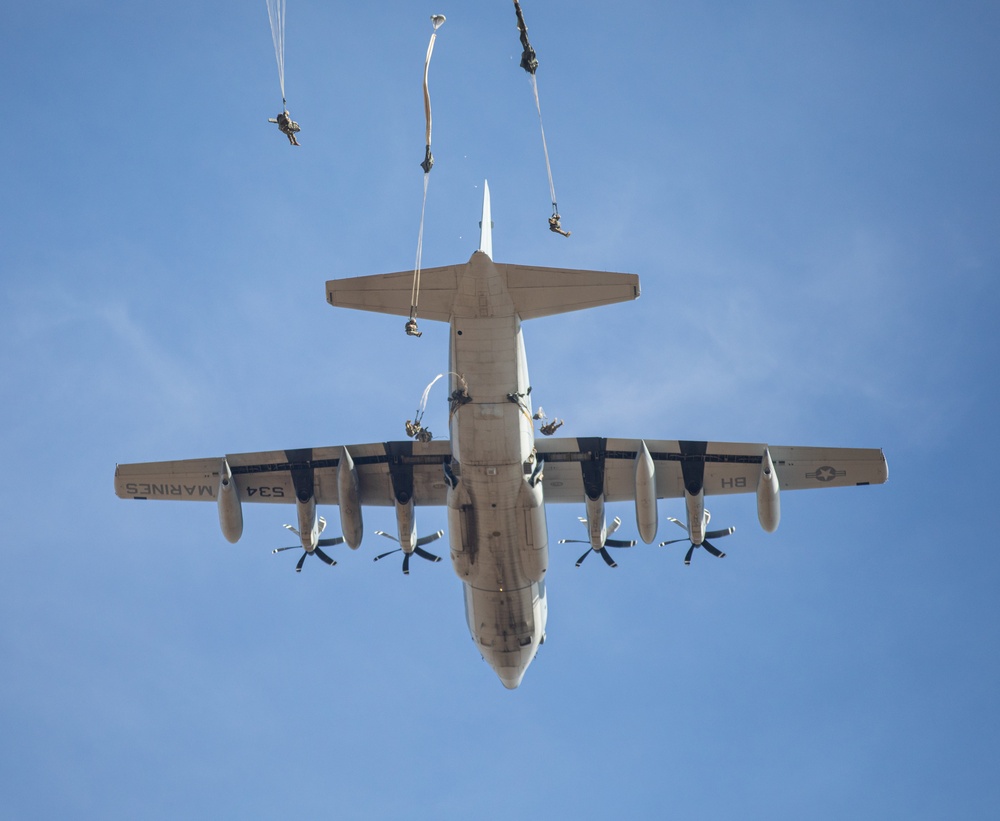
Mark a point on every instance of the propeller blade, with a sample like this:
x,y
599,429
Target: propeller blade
x,y
615,524
607,557
718,534
383,555
406,564
324,557
687,558
673,541
423,554
302,558
293,547
387,535
289,527
428,539
713,550
678,522
618,543
584,556
330,542
574,541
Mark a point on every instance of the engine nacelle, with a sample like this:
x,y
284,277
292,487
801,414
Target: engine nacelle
x,y
695,504
349,500
308,522
597,527
406,525
646,514
768,501
230,509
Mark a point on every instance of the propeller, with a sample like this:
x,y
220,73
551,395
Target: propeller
x,y
316,550
615,524
417,548
711,534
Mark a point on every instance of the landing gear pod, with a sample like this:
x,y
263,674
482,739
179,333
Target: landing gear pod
x,y
645,495
768,502
230,509
349,498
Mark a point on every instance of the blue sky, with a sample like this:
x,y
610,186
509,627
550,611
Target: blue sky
x,y
808,193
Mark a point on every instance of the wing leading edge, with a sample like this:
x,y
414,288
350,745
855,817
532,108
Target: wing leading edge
x,y
572,468
578,466
386,472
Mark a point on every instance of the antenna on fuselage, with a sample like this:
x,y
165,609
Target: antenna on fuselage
x,y
486,224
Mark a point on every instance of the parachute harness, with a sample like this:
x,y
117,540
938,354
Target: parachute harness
x,y
529,62
276,17
427,165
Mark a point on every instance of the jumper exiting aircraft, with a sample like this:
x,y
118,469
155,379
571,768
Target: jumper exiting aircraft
x,y
492,474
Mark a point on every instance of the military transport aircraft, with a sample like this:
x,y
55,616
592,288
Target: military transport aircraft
x,y
493,475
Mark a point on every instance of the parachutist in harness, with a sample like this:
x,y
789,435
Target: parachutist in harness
x,y
459,397
529,61
551,427
417,431
287,126
555,226
428,162
411,327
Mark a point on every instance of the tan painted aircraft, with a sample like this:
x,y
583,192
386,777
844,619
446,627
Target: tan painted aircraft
x,y
492,474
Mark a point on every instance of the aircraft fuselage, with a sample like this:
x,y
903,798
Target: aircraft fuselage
x,y
496,515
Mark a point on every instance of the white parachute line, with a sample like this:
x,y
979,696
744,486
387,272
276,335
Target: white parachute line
x,y
436,21
415,290
423,398
427,93
545,148
276,17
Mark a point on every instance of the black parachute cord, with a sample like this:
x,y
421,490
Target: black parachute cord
x,y
529,62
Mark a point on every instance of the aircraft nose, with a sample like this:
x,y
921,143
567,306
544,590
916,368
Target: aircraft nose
x,y
510,677
510,667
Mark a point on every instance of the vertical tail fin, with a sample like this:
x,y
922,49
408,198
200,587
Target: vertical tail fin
x,y
486,224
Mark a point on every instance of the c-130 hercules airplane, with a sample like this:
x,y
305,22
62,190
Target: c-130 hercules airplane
x,y
492,473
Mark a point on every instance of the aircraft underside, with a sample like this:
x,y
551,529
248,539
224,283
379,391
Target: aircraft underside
x,y
492,475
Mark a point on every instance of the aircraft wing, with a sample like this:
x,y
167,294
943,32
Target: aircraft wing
x,y
574,466
273,476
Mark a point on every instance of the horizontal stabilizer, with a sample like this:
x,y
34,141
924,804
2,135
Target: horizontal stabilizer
x,y
545,291
535,291
392,293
